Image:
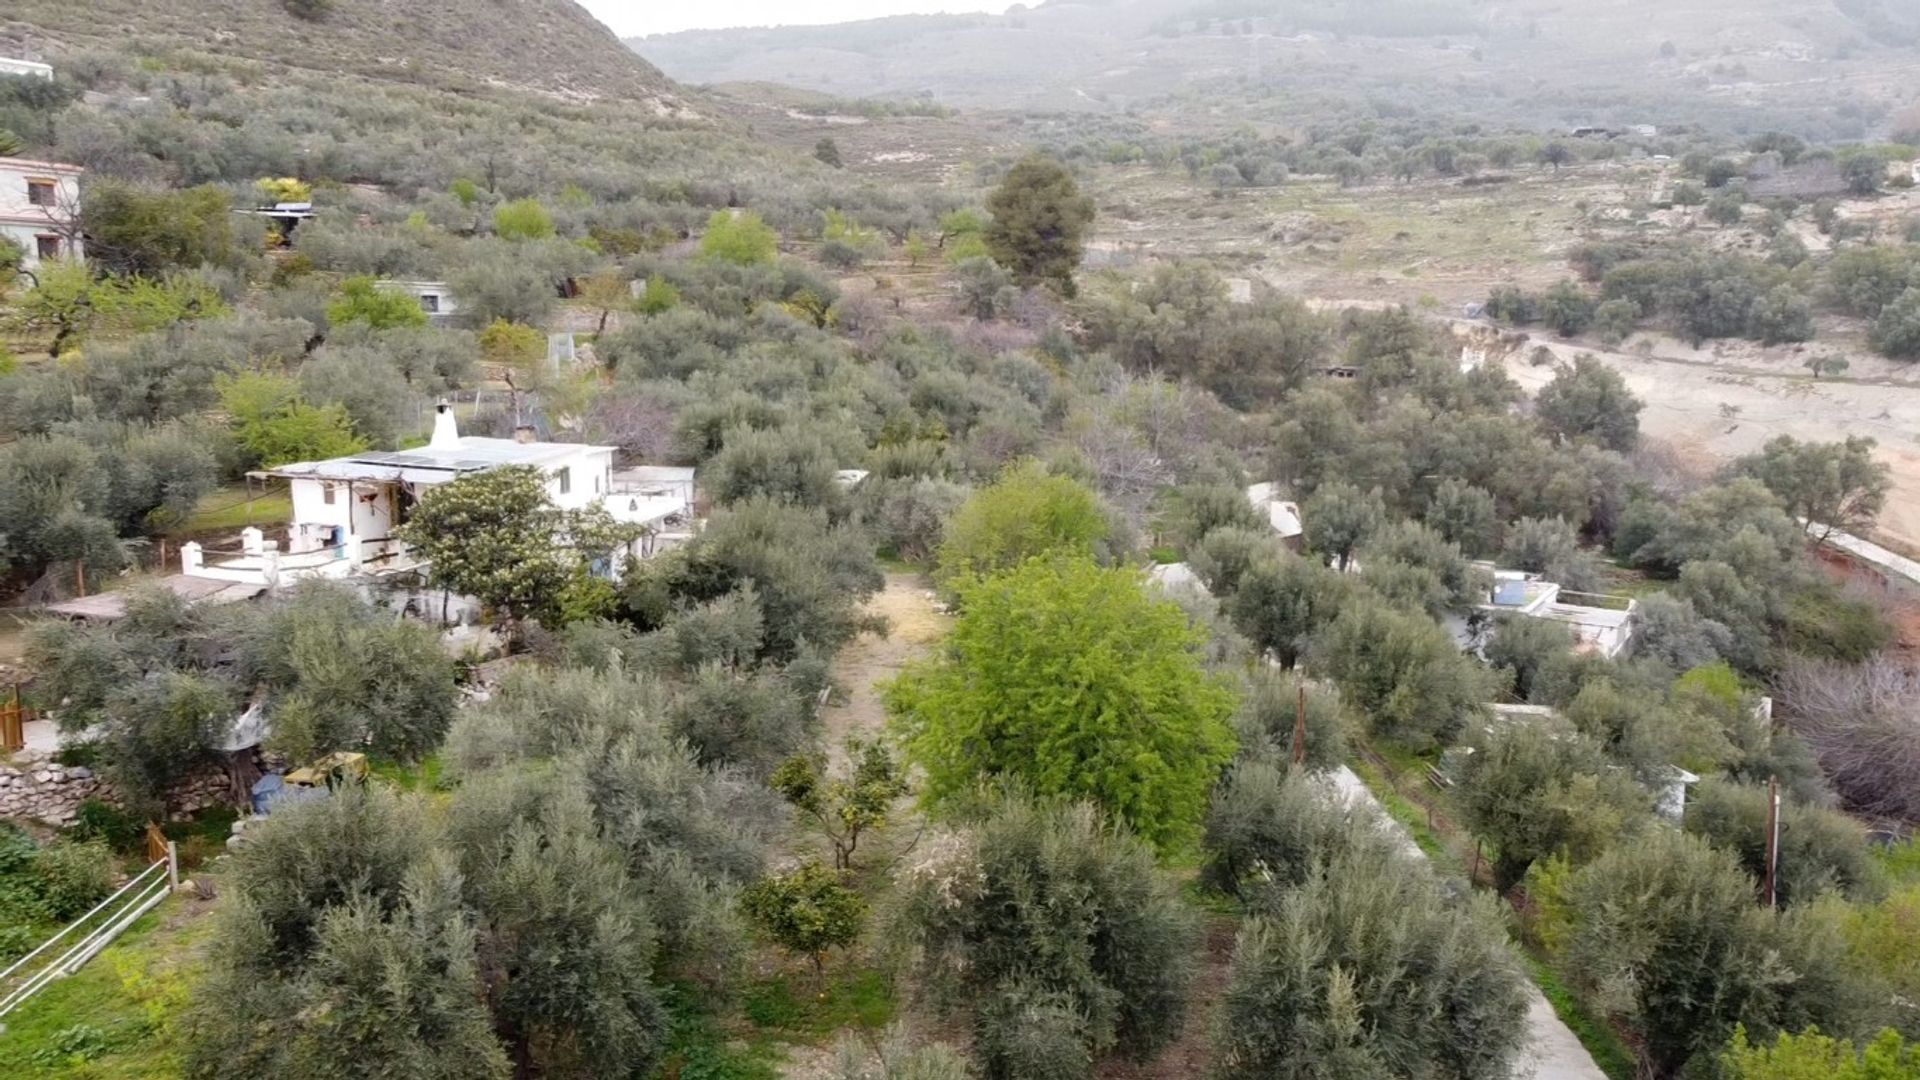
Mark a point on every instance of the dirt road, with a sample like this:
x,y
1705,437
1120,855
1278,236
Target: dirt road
x,y
869,660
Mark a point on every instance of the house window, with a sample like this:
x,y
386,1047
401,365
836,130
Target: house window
x,y
40,192
430,303
566,480
327,491
46,247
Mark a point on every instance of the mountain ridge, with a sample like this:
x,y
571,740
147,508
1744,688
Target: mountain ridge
x,y
552,47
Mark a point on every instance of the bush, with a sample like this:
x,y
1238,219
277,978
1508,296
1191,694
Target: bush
x,y
740,238
1269,706
806,911
1820,850
1024,514
1042,909
1269,823
1363,969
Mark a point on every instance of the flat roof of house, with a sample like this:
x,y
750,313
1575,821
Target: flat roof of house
x,y
20,164
109,606
643,475
467,454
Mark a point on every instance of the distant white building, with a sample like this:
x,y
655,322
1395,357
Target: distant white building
x,y
32,69
40,209
1600,623
1282,515
346,510
435,298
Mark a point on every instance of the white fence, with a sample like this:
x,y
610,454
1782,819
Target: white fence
x,y
89,934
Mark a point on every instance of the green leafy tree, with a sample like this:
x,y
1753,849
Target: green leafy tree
x,y
1590,401
1039,223
739,237
1781,315
274,425
827,152
1820,849
1024,514
606,293
1283,600
1566,309
358,300
1813,1056
843,809
522,219
1828,486
806,911
498,537
1076,681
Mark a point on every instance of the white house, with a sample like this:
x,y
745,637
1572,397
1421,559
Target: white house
x,y
31,69
1282,515
346,510
435,298
40,209
1600,623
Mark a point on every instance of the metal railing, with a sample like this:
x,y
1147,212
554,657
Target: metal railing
x,y
108,920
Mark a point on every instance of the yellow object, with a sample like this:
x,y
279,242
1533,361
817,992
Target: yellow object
x,y
331,771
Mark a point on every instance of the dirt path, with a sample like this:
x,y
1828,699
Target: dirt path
x,y
913,625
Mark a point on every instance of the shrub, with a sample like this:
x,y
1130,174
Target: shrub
x,y
1024,514
522,219
1819,849
71,877
1269,823
1042,909
739,237
1363,969
806,911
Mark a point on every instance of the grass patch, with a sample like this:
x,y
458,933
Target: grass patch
x,y
700,1048
1601,1041
1413,818
115,1018
230,509
861,998
426,775
202,838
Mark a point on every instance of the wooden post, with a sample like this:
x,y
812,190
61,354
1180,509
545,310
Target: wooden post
x,y
173,864
162,565
1770,886
80,576
1300,723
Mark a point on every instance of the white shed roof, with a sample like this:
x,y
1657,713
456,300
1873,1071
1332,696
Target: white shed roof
x,y
433,464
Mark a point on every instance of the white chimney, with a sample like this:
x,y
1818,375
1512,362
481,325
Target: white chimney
x,y
445,431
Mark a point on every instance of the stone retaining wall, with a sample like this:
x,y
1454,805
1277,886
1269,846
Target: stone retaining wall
x,y
33,785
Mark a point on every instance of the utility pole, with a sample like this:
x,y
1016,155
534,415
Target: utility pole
x,y
1300,723
1771,885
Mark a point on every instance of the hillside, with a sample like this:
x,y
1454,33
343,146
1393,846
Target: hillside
x,y
550,46
1831,68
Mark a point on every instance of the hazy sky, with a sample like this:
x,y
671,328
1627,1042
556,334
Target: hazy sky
x,y
634,17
